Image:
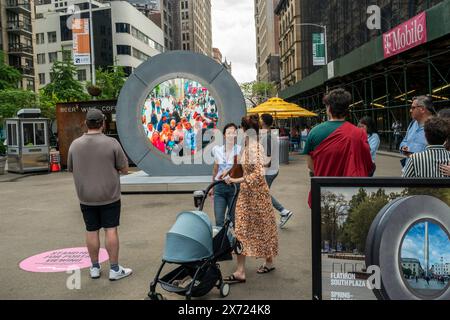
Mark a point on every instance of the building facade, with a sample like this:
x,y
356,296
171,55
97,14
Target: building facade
x,y
196,28
122,36
16,39
217,56
290,36
441,269
267,41
413,265
382,86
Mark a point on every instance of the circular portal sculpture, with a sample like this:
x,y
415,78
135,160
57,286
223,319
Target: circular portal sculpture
x,y
404,255
211,79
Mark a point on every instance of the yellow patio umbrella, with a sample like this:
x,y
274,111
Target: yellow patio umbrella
x,y
281,109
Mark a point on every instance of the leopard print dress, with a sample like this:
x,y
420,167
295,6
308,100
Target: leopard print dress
x,y
255,222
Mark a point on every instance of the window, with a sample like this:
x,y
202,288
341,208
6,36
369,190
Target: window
x,y
122,27
127,70
121,49
33,134
41,58
81,75
51,37
30,84
52,57
40,38
12,135
140,55
41,78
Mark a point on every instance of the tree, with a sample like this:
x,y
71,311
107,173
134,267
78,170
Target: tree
x,y
64,87
363,210
264,91
334,210
9,76
12,100
258,92
110,81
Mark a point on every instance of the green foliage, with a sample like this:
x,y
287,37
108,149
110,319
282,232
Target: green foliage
x,y
12,100
9,76
440,193
173,90
110,81
47,104
2,148
407,272
64,87
258,92
264,90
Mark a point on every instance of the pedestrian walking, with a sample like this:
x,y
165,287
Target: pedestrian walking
x,y
272,169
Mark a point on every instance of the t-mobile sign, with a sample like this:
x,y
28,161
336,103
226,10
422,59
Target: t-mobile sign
x,y
406,36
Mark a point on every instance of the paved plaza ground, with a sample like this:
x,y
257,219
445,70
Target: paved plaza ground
x,y
41,213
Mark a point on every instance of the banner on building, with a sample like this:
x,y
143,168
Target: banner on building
x,y
81,42
318,43
406,36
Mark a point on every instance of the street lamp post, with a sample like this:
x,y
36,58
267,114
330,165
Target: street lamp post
x,y
91,36
324,27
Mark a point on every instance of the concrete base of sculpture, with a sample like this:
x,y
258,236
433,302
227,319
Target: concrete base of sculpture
x,y
140,182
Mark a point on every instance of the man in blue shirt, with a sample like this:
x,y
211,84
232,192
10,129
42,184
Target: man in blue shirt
x,y
421,110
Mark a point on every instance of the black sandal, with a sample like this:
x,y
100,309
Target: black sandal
x,y
233,280
265,269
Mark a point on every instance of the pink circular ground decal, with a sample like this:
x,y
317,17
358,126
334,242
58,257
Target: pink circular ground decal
x,y
61,260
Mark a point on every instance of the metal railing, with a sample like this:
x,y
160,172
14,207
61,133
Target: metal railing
x,y
19,26
18,4
20,48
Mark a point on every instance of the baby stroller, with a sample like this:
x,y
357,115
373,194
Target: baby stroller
x,y
190,243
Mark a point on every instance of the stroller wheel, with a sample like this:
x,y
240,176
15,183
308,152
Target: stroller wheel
x,y
156,297
238,248
224,290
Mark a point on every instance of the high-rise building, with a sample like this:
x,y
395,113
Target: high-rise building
x,y
16,38
122,36
288,12
267,41
196,29
186,23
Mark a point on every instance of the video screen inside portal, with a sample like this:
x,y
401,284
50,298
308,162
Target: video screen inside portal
x,y
347,215
425,258
176,114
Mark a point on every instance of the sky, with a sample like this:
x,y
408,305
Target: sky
x,y
233,32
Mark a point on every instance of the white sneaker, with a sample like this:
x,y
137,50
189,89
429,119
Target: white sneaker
x,y
95,272
122,273
285,218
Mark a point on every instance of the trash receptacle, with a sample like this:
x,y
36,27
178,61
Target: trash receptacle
x,y
284,150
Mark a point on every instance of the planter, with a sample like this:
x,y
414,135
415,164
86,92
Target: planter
x,y
2,165
94,91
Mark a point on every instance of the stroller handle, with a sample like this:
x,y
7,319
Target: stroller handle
x,y
211,186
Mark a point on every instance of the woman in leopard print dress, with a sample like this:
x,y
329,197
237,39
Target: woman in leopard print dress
x,y
255,225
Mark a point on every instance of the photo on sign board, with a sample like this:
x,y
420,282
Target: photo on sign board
x,y
347,216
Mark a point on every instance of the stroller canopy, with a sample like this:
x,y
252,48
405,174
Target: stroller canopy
x,y
190,238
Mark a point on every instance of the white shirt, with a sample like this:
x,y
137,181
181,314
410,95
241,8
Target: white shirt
x,y
225,163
